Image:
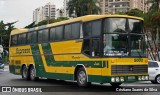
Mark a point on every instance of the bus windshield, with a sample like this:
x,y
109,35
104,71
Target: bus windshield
x,y
123,37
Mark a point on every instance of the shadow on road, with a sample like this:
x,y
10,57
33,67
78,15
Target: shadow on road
x,y
67,86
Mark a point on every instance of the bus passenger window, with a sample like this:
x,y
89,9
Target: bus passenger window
x,y
40,36
67,32
33,37
86,46
59,33
14,40
76,30
96,28
22,39
95,47
52,34
45,35
87,29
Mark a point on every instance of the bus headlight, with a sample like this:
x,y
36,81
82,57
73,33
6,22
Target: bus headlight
x,y
112,79
146,78
122,79
117,79
143,77
139,78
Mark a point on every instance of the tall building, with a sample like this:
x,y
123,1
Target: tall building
x,y
38,15
66,13
46,12
104,6
113,6
59,13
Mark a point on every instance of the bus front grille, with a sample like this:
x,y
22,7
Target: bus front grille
x,y
129,69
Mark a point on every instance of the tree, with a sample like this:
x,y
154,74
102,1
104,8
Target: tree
x,y
30,25
135,12
83,7
44,22
5,30
155,5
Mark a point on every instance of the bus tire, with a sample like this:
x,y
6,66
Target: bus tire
x,y
33,74
25,73
82,77
115,84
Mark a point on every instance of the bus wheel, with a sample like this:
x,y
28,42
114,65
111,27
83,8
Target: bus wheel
x,y
33,74
25,73
115,84
82,78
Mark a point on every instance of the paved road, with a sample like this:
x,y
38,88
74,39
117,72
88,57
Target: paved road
x,y
58,87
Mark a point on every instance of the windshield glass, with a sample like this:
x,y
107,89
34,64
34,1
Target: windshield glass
x,y
115,25
123,37
116,45
137,45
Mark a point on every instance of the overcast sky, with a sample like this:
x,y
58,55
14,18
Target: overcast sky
x,y
22,10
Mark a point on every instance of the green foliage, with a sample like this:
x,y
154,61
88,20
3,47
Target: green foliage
x,y
135,12
83,7
5,30
44,22
132,12
30,25
155,18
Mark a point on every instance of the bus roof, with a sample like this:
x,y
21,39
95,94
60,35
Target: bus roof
x,y
83,19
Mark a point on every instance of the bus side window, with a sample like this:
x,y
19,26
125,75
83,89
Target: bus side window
x,y
76,30
67,32
86,46
52,34
95,47
87,28
59,33
14,40
40,36
45,36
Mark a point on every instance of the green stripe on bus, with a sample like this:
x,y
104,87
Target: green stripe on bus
x,y
49,57
50,61
37,60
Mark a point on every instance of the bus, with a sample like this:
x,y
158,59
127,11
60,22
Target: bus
x,y
92,48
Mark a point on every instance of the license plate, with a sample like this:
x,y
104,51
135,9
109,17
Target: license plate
x,y
131,77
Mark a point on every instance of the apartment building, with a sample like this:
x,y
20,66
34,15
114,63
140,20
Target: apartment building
x,y
45,12
113,6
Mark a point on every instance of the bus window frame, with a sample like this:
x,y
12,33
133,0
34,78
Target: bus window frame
x,y
21,39
80,22
93,37
42,41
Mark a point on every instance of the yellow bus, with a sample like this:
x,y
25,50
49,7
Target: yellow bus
x,y
92,48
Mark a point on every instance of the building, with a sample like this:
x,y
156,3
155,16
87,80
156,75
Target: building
x,y
46,12
104,6
66,13
59,13
113,6
38,15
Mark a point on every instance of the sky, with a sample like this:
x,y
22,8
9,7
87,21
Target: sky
x,y
22,10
